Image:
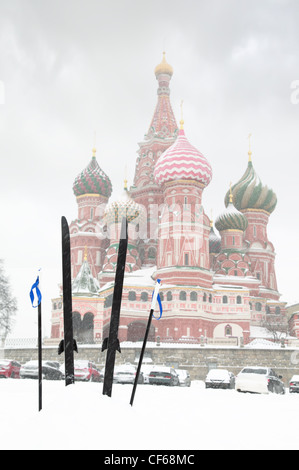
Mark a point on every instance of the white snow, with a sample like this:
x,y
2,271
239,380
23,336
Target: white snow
x,y
162,418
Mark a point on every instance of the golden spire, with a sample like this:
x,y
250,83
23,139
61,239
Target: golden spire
x,y
182,116
85,253
211,220
126,180
250,152
230,194
94,150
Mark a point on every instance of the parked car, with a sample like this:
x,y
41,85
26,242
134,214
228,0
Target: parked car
x,y
259,380
50,370
126,374
161,375
9,369
146,370
294,384
184,378
86,371
102,374
220,378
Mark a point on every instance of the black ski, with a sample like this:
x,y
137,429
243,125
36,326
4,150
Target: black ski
x,y
67,304
112,343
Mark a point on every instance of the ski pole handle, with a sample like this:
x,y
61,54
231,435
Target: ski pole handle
x,y
155,295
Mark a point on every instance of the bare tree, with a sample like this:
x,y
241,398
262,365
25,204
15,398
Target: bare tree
x,y
277,326
8,304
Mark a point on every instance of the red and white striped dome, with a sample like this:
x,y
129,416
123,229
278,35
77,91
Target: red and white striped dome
x,y
182,161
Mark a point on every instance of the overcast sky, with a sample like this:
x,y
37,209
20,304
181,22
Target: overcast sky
x,y
70,68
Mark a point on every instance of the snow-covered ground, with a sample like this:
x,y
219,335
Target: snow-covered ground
x,y
162,418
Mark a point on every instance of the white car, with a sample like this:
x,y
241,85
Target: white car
x,y
259,380
126,374
294,384
220,378
184,378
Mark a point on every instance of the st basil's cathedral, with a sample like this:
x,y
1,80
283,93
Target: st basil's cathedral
x,y
215,288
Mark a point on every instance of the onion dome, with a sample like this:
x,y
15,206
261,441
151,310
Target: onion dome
x,y
163,68
214,241
231,219
92,180
250,193
124,207
182,161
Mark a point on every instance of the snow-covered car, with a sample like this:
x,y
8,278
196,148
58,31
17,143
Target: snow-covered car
x,y
294,384
86,371
50,370
162,375
220,378
9,369
184,378
126,374
259,380
146,370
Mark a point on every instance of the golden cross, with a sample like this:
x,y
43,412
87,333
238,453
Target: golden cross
x,y
250,152
182,116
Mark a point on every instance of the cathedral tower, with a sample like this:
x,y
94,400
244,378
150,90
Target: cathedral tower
x,y
92,189
161,134
256,201
183,247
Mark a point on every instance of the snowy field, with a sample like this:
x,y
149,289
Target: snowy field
x,y
162,418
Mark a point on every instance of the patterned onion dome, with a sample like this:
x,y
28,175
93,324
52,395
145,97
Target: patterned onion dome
x,y
164,67
231,219
124,207
250,193
92,180
182,161
214,242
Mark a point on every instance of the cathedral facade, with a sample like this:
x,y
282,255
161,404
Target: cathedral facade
x,y
215,286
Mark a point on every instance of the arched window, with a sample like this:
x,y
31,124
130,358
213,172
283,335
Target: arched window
x,y
224,299
169,296
239,299
144,296
108,301
162,296
151,253
142,254
258,306
204,297
277,311
228,330
210,298
76,324
268,310
132,295
193,296
183,295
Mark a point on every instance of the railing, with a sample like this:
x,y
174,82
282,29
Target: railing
x,y
12,343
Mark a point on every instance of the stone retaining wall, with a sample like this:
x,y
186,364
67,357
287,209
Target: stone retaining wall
x,y
198,360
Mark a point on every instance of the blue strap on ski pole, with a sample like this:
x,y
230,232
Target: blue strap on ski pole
x,y
156,297
38,293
